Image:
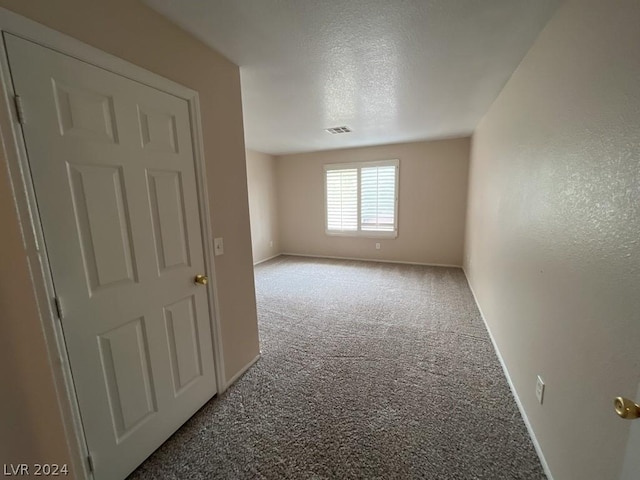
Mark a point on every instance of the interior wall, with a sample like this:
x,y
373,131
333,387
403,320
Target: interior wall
x,y
263,208
131,31
552,248
431,205
31,427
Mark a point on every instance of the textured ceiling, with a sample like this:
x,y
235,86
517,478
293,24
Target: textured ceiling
x,y
391,70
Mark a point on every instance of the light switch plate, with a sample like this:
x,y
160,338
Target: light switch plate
x,y
540,389
218,246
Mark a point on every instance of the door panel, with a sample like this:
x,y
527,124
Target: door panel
x,y
85,113
158,130
125,362
102,223
183,337
113,169
167,205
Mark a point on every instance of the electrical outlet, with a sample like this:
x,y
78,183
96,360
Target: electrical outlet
x,y
270,243
218,246
540,389
377,246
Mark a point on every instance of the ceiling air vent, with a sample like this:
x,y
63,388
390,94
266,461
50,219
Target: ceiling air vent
x,y
342,129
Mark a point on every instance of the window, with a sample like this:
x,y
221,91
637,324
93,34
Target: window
x,y
362,198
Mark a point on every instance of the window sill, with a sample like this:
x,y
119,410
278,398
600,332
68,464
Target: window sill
x,y
361,234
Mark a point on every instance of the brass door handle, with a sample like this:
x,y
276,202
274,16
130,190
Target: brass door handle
x,y
626,408
201,280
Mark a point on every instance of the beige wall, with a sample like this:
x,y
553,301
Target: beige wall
x,y
431,203
263,208
553,250
135,33
31,428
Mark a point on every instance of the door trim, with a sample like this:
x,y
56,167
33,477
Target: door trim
x,y
24,197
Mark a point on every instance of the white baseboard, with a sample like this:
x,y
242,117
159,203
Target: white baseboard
x,y
523,413
266,259
371,260
242,371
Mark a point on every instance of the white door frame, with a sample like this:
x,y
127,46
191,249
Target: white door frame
x,y
631,462
24,197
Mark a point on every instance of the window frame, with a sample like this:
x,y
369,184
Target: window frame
x,y
359,166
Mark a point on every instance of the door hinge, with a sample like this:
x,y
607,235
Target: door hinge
x,y
17,99
90,463
59,310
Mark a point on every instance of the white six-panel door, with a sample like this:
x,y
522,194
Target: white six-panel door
x,y
113,169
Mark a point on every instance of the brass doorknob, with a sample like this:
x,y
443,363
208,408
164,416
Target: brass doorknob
x,y
201,279
626,408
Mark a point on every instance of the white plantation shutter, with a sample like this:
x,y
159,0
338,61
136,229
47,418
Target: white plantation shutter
x,y
378,198
342,200
361,198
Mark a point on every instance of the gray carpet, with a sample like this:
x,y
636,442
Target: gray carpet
x,y
368,371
